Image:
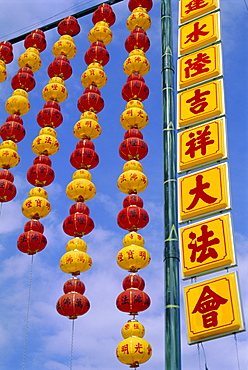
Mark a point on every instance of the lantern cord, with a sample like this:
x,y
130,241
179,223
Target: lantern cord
x,y
204,354
27,315
199,356
1,207
237,352
72,341
246,5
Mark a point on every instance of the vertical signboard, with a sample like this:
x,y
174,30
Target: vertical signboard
x,y
206,242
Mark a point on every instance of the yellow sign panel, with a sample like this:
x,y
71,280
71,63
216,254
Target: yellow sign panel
x,y
213,308
200,103
199,33
199,66
190,9
206,246
203,192
202,144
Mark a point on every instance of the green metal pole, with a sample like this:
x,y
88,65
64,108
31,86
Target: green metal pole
x,y
171,245
54,24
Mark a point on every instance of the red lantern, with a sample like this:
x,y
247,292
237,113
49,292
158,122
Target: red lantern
x,y
104,13
72,304
79,207
84,158
31,242
50,115
133,148
90,101
44,159
12,130
7,175
74,285
132,218
133,200
7,190
85,143
133,281
69,26
60,67
34,225
6,53
78,224
36,39
133,301
146,4
135,88
97,53
24,79
40,175
133,132
137,39
14,117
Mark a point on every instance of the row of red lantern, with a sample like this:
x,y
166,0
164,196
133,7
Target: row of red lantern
x,y
12,131
41,174
84,158
134,350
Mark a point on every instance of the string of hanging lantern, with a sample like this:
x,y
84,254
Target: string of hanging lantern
x,y
41,174
12,131
84,158
134,350
6,57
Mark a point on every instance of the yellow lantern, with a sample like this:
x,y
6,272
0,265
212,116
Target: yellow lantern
x,y
100,32
76,244
136,63
133,238
82,174
36,206
65,46
55,90
87,128
132,181
3,73
30,58
133,165
18,103
133,328
133,258
80,190
133,351
74,262
139,18
8,154
94,75
134,116
89,115
46,143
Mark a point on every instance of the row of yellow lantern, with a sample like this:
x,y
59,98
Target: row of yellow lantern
x,y
81,189
134,350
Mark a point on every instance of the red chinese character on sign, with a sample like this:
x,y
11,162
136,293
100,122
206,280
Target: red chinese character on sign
x,y
205,248
199,142
198,65
195,35
194,5
207,305
198,103
199,193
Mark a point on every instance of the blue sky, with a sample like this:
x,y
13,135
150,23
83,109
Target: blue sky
x,y
98,332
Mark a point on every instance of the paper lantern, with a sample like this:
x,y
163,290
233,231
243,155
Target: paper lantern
x,y
65,46
133,351
6,175
12,130
137,39
18,103
94,75
72,305
132,181
46,143
133,148
36,206
135,88
136,63
55,90
40,175
133,238
31,242
78,224
30,58
76,244
7,190
75,262
133,301
50,115
34,225
36,39
3,73
6,52
133,258
97,53
8,154
104,13
90,101
87,127
80,190
100,32
84,158
69,26
74,285
24,79
132,200
60,67
133,116
138,18
133,328
133,281
146,4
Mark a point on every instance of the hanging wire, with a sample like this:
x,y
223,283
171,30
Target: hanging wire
x,y
72,341
199,355
27,314
1,207
246,5
204,354
237,352
37,24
